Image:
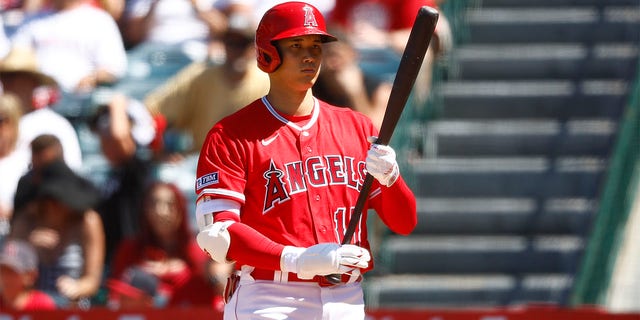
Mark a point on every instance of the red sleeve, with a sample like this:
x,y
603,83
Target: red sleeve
x,y
249,246
396,207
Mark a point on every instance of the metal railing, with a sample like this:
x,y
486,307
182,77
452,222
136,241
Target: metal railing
x,y
617,198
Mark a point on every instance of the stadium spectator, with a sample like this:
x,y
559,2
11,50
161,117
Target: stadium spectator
x,y
124,128
18,274
115,8
68,236
386,25
193,103
13,162
20,75
19,9
342,82
183,24
78,57
45,149
165,247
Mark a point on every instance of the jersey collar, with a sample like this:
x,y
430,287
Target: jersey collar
x,y
312,121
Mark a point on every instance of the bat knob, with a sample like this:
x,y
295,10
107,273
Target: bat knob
x,y
335,278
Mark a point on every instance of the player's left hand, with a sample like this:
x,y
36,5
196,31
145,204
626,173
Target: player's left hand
x,y
381,163
323,259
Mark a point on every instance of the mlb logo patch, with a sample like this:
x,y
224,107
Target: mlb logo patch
x,y
207,180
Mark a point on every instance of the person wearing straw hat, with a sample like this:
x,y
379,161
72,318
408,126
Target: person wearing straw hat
x,y
20,75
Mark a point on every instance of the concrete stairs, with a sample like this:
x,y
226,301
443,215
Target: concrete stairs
x,y
511,166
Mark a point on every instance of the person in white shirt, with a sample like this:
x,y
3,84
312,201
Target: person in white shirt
x,y
19,75
187,25
13,162
77,44
4,40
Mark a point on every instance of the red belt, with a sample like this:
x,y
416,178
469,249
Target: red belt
x,y
284,277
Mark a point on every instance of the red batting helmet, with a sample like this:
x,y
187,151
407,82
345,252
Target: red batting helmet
x,y
286,20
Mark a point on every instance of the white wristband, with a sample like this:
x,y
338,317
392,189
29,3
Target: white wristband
x,y
289,258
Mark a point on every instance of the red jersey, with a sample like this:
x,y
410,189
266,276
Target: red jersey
x,y
385,14
295,180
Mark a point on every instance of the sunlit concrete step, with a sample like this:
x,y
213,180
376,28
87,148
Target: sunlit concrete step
x,y
508,177
556,24
469,216
544,61
556,3
470,254
501,137
533,98
466,291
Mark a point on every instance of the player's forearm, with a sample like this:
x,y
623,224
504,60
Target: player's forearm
x,y
398,209
225,238
250,247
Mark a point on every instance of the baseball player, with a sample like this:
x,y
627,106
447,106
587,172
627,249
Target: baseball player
x,y
278,180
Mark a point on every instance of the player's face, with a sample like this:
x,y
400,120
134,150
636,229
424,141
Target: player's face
x,y
301,58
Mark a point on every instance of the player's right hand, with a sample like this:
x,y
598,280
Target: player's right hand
x,y
381,163
323,259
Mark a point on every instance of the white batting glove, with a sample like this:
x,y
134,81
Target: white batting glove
x,y
323,259
381,163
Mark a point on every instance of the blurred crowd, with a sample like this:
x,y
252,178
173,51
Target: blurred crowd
x,y
118,232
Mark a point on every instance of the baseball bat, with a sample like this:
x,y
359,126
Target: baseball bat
x,y
416,48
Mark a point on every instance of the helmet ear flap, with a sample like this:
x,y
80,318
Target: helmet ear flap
x,y
268,58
